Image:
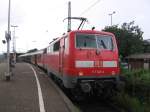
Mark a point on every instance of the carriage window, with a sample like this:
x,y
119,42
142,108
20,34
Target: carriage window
x,y
45,51
56,46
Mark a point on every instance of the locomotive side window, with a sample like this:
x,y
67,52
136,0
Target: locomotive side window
x,y
51,49
48,50
66,45
66,42
56,46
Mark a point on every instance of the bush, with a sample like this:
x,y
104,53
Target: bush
x,y
130,104
137,91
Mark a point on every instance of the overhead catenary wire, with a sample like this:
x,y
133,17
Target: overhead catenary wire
x,y
88,9
91,6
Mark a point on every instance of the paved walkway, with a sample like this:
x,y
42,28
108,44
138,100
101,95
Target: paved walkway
x,y
22,92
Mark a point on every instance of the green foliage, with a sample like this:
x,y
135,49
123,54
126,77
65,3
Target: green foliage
x,y
130,104
138,76
129,38
138,84
136,96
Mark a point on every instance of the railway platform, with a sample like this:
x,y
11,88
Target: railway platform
x,y
31,90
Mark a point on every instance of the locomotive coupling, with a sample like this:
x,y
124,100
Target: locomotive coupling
x,y
86,87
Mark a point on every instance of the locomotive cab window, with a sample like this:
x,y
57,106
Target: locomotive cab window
x,y
85,41
94,41
104,42
56,46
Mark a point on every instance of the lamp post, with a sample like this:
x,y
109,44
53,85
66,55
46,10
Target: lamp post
x,y
14,43
111,17
8,37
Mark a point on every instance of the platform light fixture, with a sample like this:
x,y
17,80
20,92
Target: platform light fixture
x,y
111,14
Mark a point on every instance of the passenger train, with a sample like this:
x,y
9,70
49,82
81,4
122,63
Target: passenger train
x,y
85,59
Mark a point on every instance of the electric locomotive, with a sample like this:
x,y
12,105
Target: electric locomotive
x,y
85,59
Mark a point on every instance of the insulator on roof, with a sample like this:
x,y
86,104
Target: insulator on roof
x,y
93,28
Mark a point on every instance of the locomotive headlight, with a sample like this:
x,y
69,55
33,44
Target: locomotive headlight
x,y
80,73
113,72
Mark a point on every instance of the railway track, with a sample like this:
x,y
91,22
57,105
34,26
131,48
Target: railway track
x,y
92,104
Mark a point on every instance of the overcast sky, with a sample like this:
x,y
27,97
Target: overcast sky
x,y
39,21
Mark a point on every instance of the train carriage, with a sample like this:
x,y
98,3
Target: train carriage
x,y
33,57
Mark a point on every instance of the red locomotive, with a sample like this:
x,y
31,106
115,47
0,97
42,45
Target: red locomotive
x,y
85,59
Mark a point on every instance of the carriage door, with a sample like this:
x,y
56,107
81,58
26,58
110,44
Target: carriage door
x,y
61,55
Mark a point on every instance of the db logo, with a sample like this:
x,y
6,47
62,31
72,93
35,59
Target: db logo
x,y
97,64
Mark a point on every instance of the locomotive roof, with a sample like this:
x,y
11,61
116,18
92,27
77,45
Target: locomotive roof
x,y
82,31
92,31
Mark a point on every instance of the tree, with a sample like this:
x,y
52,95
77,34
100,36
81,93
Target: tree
x,y
129,38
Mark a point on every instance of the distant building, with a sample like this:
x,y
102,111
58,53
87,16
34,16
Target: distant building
x,y
146,44
139,61
148,40
11,55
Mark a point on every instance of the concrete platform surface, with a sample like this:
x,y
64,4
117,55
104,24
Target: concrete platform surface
x,y
22,92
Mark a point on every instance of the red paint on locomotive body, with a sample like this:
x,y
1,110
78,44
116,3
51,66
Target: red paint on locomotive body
x,y
89,54
83,54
